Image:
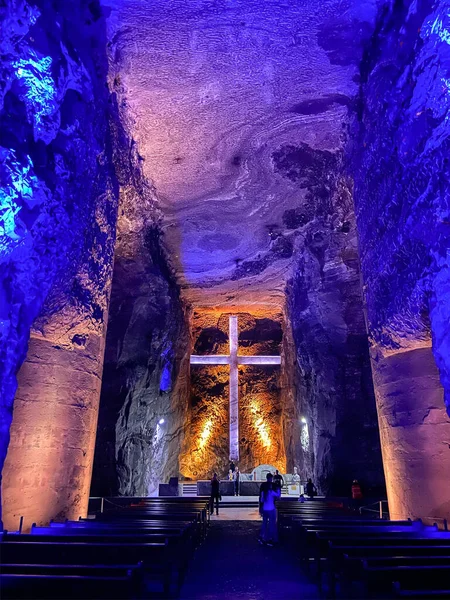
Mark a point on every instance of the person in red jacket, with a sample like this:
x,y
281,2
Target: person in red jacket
x,y
356,495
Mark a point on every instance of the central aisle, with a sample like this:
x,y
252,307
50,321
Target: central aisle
x,y
231,564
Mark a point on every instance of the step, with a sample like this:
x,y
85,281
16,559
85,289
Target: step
x,y
189,489
238,505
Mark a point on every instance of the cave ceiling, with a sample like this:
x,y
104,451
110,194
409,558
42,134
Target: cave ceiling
x,y
228,102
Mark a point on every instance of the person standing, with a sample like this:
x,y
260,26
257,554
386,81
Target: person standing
x,y
310,489
215,495
232,465
230,475
267,496
357,495
278,480
236,478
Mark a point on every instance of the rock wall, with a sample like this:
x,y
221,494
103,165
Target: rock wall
x,y
334,438
206,446
145,376
58,206
402,191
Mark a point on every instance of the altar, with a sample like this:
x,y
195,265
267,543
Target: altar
x,y
246,488
249,485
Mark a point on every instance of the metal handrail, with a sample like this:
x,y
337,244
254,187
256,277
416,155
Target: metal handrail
x,y
379,509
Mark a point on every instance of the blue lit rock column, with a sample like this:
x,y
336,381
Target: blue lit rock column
x,y
58,208
48,468
401,196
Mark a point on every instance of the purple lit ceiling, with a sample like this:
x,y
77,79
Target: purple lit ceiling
x,y
230,101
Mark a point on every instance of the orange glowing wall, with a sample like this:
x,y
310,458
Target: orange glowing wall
x,y
47,472
206,444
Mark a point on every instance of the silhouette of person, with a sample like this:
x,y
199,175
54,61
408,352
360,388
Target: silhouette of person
x,y
215,495
278,480
310,489
236,478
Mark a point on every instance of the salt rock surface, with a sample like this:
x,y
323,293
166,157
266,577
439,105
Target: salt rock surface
x,y
402,174
220,93
239,110
58,210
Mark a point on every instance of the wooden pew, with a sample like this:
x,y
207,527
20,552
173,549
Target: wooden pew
x,y
421,592
159,561
91,570
346,562
372,553
120,535
380,579
73,587
316,540
134,518
161,534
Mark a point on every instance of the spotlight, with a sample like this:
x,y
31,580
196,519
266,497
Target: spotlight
x,y
161,421
303,420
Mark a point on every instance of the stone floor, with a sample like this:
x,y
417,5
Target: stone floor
x,y
231,565
237,514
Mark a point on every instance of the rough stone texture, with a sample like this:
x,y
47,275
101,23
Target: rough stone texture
x,y
233,85
48,468
402,191
238,112
58,208
241,123
261,402
146,371
145,376
414,431
332,381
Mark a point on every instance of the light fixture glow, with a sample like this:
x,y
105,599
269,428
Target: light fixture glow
x,y
304,435
260,425
161,421
204,436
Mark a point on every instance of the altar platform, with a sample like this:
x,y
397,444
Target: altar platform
x,y
247,489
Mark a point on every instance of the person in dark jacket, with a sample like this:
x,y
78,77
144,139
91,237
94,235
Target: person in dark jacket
x,y
278,480
215,494
236,477
310,489
232,465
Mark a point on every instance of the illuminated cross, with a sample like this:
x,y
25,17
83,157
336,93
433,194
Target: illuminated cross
x,y
233,359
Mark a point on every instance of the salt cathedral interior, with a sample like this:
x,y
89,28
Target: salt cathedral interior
x,y
224,236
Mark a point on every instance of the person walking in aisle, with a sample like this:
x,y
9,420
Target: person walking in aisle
x,y
267,496
215,495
